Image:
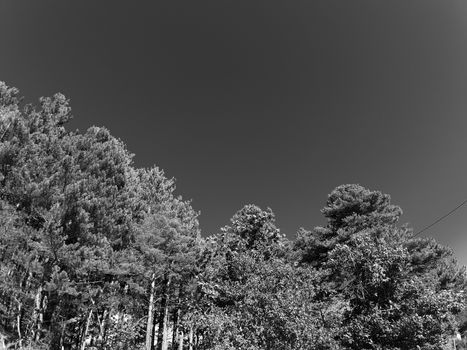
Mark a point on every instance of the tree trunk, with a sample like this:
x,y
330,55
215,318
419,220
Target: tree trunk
x,y
51,318
177,336
163,317
18,323
176,327
62,334
2,342
84,337
38,315
180,341
165,329
150,321
155,332
190,338
102,327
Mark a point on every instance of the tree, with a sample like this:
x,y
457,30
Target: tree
x,y
349,209
74,193
257,298
167,253
95,253
393,297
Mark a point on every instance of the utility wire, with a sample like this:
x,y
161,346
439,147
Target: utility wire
x,y
440,219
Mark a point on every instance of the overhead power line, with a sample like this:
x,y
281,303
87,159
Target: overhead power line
x,y
440,219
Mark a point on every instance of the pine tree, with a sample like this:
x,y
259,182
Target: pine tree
x,y
390,295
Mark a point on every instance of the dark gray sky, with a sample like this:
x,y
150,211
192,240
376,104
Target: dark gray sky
x,y
266,102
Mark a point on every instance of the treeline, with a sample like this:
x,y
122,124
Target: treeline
x,y
98,254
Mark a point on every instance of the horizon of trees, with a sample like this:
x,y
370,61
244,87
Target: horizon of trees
x,y
98,254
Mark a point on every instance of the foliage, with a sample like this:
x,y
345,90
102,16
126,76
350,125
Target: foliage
x,y
393,284
98,254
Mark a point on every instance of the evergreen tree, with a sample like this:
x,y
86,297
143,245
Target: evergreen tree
x,y
96,254
392,299
257,297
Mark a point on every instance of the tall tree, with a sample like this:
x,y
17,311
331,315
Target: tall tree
x,y
392,297
257,298
75,193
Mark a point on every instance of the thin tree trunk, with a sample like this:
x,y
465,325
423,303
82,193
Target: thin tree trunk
x,y
180,340
2,342
176,325
38,315
86,331
24,287
51,312
163,317
150,321
103,327
178,331
62,334
190,338
18,323
155,332
165,329
162,326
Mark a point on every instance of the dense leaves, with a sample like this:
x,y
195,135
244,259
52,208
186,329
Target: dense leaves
x,y
98,254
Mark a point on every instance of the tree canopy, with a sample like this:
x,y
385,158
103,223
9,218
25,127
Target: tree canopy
x,y
96,253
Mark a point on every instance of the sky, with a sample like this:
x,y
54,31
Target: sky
x,y
267,102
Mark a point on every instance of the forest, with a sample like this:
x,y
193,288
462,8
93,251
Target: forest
x,y
96,253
